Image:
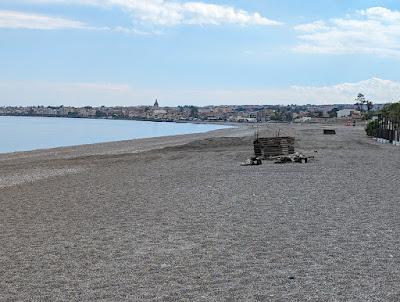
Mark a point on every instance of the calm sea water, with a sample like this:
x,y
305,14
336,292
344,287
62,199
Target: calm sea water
x,y
30,133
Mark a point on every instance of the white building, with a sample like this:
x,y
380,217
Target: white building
x,y
344,113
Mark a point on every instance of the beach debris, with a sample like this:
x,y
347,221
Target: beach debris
x,y
293,158
329,131
252,161
267,147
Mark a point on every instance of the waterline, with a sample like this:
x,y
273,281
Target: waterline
x,y
32,133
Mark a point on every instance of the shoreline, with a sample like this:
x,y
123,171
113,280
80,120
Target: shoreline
x,y
127,142
124,146
138,145
225,126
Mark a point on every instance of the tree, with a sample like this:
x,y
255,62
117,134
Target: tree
x,y
288,116
360,102
100,113
194,112
391,111
276,116
372,128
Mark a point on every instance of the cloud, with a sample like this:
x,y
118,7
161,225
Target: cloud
x,y
377,90
23,20
15,19
112,94
312,27
135,31
381,14
373,31
173,12
202,13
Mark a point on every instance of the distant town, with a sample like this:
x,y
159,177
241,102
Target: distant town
x,y
233,114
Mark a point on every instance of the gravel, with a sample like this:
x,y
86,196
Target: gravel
x,y
188,223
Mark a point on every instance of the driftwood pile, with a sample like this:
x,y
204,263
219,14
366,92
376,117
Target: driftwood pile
x,y
273,146
279,149
253,161
293,158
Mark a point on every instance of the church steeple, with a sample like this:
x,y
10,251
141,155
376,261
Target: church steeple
x,y
156,104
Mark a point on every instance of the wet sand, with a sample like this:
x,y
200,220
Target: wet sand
x,y
178,219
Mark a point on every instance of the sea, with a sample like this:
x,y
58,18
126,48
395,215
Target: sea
x,y
32,133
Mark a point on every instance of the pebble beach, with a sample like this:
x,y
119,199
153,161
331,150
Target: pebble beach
x,y
179,219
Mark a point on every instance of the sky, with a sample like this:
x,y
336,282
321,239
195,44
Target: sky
x,y
198,52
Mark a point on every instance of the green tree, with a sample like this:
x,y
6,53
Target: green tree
x,y
391,111
372,128
362,102
194,111
100,113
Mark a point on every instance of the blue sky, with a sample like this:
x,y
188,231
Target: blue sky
x,y
129,52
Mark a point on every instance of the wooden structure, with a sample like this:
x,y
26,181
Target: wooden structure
x,y
273,146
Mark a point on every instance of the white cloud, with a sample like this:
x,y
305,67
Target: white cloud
x,y
381,14
373,31
173,12
95,94
312,27
15,19
23,20
377,90
203,13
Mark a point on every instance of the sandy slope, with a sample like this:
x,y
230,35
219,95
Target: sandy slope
x,y
188,223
